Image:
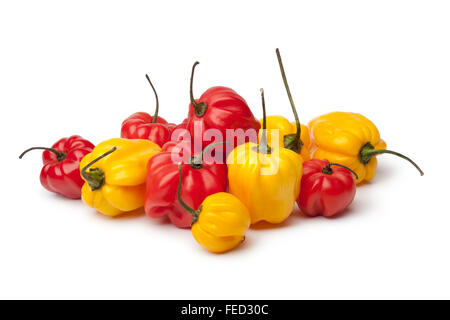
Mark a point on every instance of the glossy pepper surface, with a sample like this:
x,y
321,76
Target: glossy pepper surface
x,y
291,135
201,179
141,125
220,222
327,188
60,173
178,130
115,174
220,108
351,140
267,180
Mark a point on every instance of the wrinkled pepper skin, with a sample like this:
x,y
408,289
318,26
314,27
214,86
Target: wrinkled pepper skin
x,y
140,126
285,127
266,179
198,182
178,130
267,184
186,148
124,171
220,108
222,223
340,136
326,190
225,110
60,173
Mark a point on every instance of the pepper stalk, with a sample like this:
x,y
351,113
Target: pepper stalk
x,y
199,107
368,151
95,177
197,161
263,147
155,115
60,156
290,141
328,170
194,213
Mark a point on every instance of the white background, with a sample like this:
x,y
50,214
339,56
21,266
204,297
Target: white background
x,y
78,68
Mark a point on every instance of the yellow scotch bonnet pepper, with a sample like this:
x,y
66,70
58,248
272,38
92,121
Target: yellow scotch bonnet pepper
x,y
115,173
351,140
291,135
267,180
220,222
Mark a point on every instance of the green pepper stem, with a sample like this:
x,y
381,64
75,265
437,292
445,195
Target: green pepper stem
x,y
95,177
327,169
263,146
155,115
194,213
60,156
368,151
286,85
197,161
199,108
212,145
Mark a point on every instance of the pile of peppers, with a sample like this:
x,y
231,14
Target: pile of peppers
x,y
200,177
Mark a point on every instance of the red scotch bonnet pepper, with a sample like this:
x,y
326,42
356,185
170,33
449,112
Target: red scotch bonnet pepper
x,y
61,171
141,125
326,188
178,130
220,108
200,179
